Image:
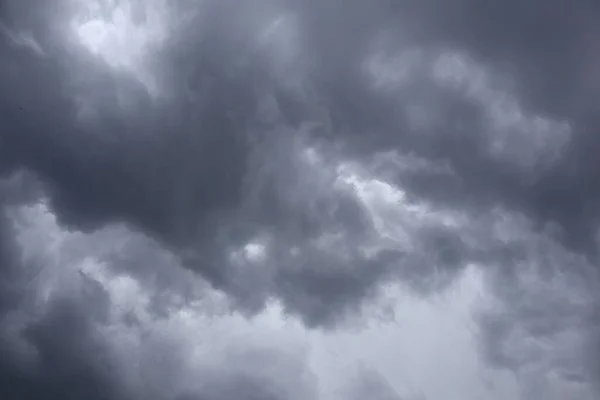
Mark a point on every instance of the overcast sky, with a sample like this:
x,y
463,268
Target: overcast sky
x,y
299,199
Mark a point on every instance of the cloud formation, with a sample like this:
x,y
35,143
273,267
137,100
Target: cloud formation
x,y
233,155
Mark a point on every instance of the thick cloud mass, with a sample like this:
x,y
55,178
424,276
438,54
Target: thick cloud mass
x,y
226,155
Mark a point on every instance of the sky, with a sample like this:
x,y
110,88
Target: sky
x,y
292,200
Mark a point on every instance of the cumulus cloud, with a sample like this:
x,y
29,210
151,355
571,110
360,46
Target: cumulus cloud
x,y
164,165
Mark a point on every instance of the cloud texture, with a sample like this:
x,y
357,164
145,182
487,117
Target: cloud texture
x,y
172,173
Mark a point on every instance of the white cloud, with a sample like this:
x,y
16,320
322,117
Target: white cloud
x,y
123,33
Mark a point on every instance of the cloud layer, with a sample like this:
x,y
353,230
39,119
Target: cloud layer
x,y
219,159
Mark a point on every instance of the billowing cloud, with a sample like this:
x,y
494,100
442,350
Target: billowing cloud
x,y
164,163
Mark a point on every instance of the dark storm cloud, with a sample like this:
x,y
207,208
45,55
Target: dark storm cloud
x,y
71,363
55,345
8,260
202,174
546,50
547,45
552,48
16,189
550,51
219,159
55,355
547,53
180,179
186,169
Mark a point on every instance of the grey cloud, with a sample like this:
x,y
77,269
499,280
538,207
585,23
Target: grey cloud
x,y
15,189
545,52
541,321
55,344
8,261
203,163
369,383
182,171
545,44
547,47
56,355
63,342
241,379
218,159
47,355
